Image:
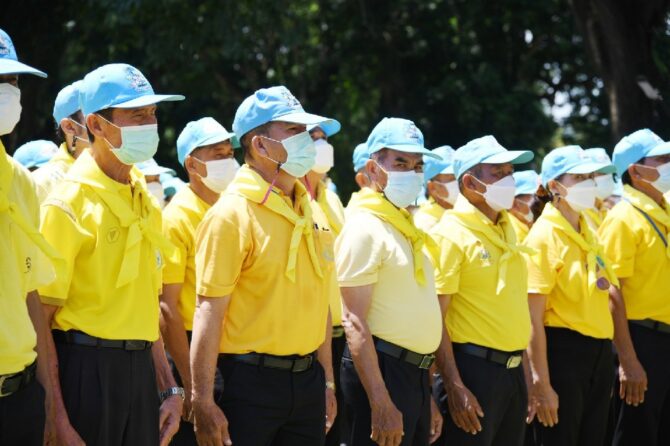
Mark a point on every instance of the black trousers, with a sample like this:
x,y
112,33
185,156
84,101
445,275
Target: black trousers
x,y
410,392
501,393
110,394
340,430
22,417
649,423
580,369
266,406
185,436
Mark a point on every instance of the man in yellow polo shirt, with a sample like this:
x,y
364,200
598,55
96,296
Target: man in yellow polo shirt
x,y
262,305
521,214
391,314
441,187
205,149
71,131
23,267
481,283
634,235
117,387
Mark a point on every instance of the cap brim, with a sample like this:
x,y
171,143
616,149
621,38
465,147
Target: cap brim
x,y
509,156
330,127
302,118
408,148
149,99
592,168
215,139
9,66
661,149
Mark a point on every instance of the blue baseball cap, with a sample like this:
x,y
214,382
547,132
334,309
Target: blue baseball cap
x,y
67,102
433,167
274,104
360,156
118,85
487,150
397,134
36,153
571,159
632,148
151,167
9,62
598,155
526,181
200,133
329,127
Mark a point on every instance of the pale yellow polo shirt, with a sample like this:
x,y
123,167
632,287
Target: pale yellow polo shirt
x,y
370,251
639,258
558,271
92,241
181,218
52,173
468,271
241,251
428,214
23,268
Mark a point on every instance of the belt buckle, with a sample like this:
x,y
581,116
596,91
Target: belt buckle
x,y
135,345
426,361
3,378
514,361
297,369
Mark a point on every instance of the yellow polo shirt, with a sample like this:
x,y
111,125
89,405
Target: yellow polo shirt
x,y
52,173
241,251
468,271
558,271
181,218
23,268
639,257
331,206
594,218
428,215
370,251
92,239
520,228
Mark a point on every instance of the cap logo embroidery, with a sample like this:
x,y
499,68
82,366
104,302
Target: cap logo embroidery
x,y
137,81
4,46
412,132
290,100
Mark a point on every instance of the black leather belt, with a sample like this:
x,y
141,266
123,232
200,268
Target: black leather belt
x,y
652,325
395,351
511,360
338,331
295,365
79,338
13,382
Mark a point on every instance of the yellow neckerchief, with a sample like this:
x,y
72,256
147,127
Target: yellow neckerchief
x,y
251,186
334,220
473,219
593,217
6,176
86,171
586,241
431,208
520,227
375,203
643,202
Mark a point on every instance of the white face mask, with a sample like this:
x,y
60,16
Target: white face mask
x,y
604,186
220,173
452,192
325,157
499,195
156,189
403,188
662,183
581,196
10,108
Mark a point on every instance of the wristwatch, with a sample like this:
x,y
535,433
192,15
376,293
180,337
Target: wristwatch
x,y
171,392
330,385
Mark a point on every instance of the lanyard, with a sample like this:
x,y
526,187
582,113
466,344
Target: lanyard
x,y
651,222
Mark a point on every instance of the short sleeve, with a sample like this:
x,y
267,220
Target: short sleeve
x,y
448,269
542,267
61,230
619,244
358,253
222,246
175,230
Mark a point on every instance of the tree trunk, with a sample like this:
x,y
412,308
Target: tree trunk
x,y
618,37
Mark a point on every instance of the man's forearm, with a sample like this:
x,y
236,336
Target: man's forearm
x,y
205,347
622,340
445,361
53,377
42,331
325,353
164,378
365,358
176,341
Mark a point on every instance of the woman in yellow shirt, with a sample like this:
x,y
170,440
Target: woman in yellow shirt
x,y
570,351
